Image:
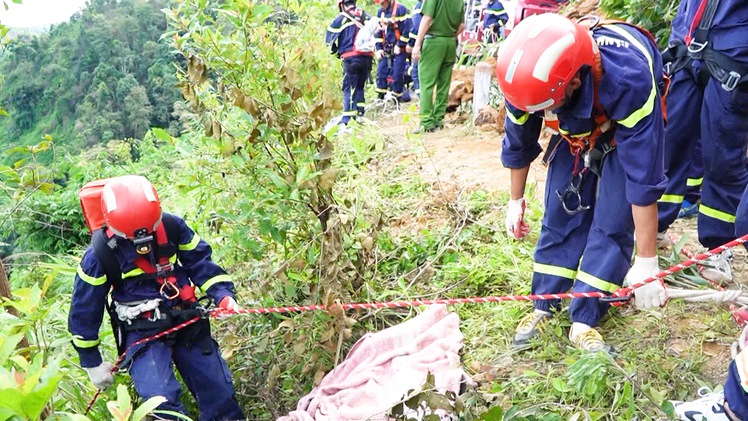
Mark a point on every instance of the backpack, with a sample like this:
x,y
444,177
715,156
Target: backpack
x,y
365,40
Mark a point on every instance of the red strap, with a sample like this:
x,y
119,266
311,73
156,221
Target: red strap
x,y
169,283
696,21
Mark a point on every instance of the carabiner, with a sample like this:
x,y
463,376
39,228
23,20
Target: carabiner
x,y
173,287
571,197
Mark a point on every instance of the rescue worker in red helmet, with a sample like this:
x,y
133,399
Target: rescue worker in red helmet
x,y
152,289
341,37
392,40
597,85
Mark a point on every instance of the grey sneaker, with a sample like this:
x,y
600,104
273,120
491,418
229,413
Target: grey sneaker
x,y
718,268
663,240
528,327
590,341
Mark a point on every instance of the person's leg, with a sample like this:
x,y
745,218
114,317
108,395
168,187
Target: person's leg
x,y
349,76
560,245
444,79
209,380
361,70
153,375
416,83
607,255
382,74
428,70
724,140
399,63
736,386
681,134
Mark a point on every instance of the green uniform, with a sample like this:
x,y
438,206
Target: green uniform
x,y
438,55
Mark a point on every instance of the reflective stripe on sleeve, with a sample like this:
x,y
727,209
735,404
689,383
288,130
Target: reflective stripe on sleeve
x,y
79,342
214,280
90,279
518,120
671,198
191,245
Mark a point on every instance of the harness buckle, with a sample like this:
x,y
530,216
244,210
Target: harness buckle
x,y
732,81
695,48
162,270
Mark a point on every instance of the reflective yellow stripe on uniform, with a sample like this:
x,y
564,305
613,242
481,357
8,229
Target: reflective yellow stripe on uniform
x,y
214,280
518,120
83,343
337,30
494,12
133,273
716,214
191,245
671,198
554,270
694,182
648,106
90,279
596,282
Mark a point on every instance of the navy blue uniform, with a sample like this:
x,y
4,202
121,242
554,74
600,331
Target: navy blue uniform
x,y
341,36
592,250
395,29
415,23
717,118
494,17
203,370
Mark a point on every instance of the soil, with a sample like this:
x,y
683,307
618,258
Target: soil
x,y
464,158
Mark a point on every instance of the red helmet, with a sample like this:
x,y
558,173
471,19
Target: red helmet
x,y
539,58
131,206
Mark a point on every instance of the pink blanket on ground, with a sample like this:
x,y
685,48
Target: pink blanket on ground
x,y
382,367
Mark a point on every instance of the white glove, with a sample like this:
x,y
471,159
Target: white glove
x,y
228,303
101,375
652,294
397,50
379,54
515,219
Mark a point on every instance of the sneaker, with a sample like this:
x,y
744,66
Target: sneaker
x,y
663,240
688,209
589,340
529,327
718,268
710,407
421,129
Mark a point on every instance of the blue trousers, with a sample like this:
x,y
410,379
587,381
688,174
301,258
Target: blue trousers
x,y
391,74
735,395
604,235
414,76
356,71
206,375
717,118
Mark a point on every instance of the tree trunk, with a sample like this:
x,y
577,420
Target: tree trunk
x,y
5,292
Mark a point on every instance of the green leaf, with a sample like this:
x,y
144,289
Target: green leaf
x,y
147,407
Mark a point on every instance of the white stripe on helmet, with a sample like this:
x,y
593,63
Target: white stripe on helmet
x,y
109,199
550,56
147,190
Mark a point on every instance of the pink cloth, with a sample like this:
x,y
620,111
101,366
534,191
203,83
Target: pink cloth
x,y
381,368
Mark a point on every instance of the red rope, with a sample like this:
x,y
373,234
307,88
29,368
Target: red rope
x,y
624,294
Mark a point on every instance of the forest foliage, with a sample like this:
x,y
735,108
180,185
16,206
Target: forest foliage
x,y
103,75
223,105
